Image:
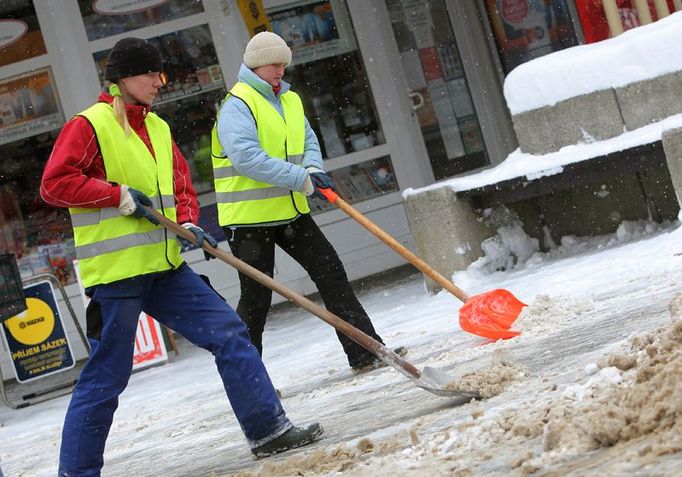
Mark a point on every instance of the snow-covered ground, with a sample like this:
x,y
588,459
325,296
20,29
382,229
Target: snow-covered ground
x,y
588,388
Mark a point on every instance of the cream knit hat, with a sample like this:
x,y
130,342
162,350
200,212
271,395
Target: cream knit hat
x,y
266,48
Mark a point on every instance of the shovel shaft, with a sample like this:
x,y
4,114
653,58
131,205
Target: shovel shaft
x,y
424,267
353,333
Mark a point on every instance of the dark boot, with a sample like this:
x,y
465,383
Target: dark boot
x,y
293,438
371,361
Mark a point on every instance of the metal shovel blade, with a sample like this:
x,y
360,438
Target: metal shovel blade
x,y
437,381
491,314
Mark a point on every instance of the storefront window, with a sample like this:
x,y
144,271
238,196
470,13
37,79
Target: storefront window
x,y
28,106
20,36
527,29
328,73
438,87
103,18
360,182
189,101
39,235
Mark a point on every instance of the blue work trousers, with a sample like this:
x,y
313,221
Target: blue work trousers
x,y
182,301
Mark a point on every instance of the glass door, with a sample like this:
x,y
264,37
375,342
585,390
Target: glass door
x,y
438,87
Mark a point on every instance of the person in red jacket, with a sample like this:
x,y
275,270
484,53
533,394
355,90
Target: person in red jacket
x,y
109,163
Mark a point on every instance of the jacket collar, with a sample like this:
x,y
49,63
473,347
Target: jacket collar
x,y
246,75
136,112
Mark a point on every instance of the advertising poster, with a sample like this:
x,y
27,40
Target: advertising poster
x,y
35,338
310,31
28,106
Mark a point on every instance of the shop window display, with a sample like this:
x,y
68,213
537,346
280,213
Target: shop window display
x,y
38,235
527,29
20,36
103,18
438,87
360,182
190,99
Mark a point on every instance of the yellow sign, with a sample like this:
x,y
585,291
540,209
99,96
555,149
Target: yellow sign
x,y
254,16
34,325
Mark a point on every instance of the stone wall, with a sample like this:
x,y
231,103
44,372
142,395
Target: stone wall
x,y
447,231
599,115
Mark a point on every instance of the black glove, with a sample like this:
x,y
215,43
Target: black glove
x,y
132,203
321,180
199,235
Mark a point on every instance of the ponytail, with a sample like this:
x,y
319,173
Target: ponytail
x,y
120,108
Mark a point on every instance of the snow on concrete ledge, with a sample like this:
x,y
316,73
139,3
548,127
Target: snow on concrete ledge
x,y
638,54
519,164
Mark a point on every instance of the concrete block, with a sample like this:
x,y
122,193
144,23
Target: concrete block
x,y
569,122
645,102
672,146
447,231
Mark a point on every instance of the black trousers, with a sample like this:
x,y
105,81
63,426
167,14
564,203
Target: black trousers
x,y
304,242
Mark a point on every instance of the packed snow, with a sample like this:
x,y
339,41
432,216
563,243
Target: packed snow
x,y
590,387
532,167
636,55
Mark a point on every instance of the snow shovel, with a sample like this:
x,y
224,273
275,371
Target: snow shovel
x,y
433,380
488,314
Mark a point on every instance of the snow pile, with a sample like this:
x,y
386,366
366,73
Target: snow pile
x,y
492,380
511,248
636,55
530,166
511,245
547,314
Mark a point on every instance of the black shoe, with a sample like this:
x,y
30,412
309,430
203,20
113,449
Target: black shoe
x,y
291,439
370,361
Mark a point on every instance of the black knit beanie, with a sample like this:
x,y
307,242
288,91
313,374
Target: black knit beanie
x,y
130,57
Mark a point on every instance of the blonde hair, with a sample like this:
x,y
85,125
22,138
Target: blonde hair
x,y
120,108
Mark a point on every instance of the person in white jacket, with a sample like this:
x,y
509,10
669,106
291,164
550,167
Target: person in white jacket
x,y
266,160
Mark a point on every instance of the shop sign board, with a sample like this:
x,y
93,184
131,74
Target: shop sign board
x,y
254,16
36,339
124,7
149,346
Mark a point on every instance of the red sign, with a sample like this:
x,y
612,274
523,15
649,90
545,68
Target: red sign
x,y
149,345
593,18
430,63
514,11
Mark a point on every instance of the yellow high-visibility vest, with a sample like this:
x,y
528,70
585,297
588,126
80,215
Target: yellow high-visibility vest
x,y
111,246
245,201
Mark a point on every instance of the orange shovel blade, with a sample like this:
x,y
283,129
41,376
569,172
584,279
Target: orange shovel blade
x,y
491,314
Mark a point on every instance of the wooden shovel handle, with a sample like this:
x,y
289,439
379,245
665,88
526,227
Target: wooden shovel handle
x,y
424,267
353,333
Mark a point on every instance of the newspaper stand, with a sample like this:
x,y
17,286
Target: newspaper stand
x,y
13,302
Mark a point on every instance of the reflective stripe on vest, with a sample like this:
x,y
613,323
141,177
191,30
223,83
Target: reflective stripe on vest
x,y
110,246
95,216
245,201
